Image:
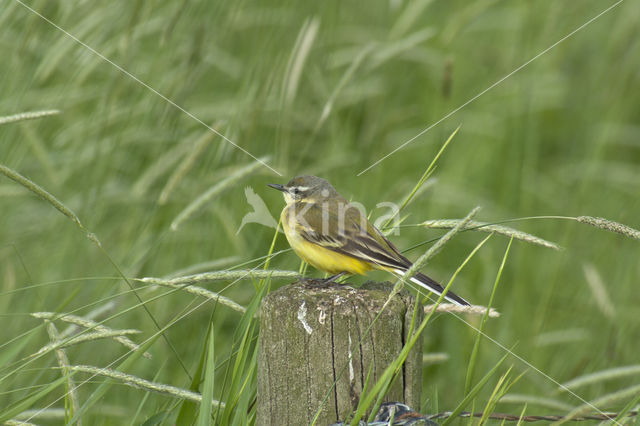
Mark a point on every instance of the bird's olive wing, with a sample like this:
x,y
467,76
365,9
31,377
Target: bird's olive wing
x,y
349,232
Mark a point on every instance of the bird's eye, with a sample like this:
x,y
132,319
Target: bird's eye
x,y
296,191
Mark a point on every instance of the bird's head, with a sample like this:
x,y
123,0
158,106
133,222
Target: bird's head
x,y
306,189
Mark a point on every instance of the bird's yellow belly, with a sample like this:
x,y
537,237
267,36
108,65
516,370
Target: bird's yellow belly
x,y
322,258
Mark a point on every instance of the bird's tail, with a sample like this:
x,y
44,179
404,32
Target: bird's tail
x,y
433,286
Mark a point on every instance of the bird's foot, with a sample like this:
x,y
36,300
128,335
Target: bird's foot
x,y
316,283
322,282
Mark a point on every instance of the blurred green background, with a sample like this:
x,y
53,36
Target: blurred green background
x,y
326,89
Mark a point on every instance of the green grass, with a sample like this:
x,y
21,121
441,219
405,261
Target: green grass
x,y
323,88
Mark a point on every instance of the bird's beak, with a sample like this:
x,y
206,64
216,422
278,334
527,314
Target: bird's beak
x,y
278,187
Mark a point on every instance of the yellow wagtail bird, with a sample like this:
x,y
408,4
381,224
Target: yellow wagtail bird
x,y
333,235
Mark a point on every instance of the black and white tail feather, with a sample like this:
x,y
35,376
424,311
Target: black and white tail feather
x,y
365,247
361,243
394,260
433,286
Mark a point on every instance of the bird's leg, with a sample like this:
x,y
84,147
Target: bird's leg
x,y
333,278
322,282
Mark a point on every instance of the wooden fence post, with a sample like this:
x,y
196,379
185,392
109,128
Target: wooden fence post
x,y
311,338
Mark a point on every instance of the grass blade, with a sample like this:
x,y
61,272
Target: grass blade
x,y
476,344
601,376
221,276
473,392
32,115
27,402
423,178
488,227
204,414
367,400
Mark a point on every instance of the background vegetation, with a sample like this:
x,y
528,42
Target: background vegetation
x,y
321,88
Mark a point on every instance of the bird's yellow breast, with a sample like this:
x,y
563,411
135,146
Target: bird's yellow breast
x,y
319,257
